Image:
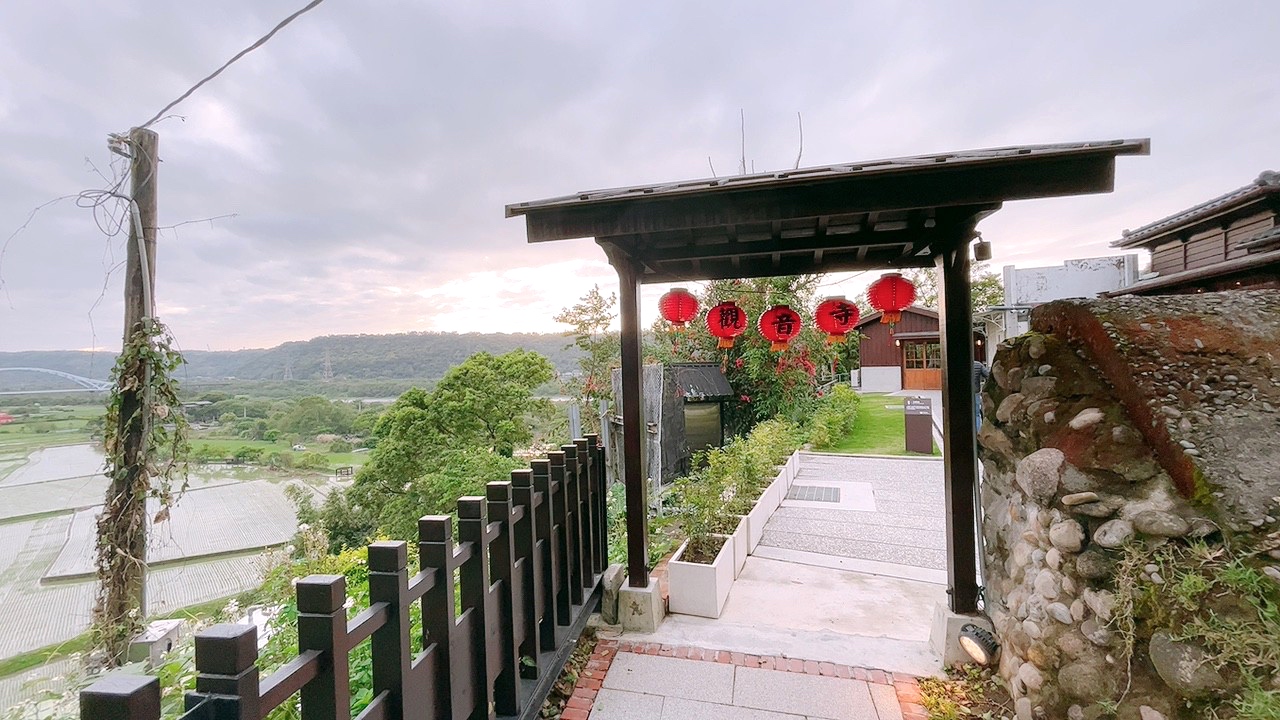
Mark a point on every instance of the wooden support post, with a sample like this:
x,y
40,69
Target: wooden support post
x,y
322,625
633,430
959,436
599,508
390,644
586,502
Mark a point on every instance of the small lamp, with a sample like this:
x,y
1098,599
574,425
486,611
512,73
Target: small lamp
x,y
897,343
981,250
979,643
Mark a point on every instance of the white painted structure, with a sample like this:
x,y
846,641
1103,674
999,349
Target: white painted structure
x,y
1024,288
881,379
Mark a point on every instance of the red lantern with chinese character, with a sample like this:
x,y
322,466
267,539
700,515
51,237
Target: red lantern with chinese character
x,y
779,325
836,317
678,306
891,294
726,321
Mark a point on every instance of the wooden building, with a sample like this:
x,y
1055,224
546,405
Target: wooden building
x,y
908,356
1230,242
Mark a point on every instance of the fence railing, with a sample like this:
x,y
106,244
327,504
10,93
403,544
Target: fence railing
x,y
528,562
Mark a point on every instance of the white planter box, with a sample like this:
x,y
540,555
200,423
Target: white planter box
x,y
741,544
699,589
756,520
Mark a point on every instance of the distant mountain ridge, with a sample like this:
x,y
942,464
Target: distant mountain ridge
x,y
358,357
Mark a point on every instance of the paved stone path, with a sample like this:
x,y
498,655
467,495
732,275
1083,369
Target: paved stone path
x,y
647,681
902,534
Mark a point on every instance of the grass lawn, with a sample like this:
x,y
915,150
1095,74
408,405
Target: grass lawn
x,y
230,445
879,430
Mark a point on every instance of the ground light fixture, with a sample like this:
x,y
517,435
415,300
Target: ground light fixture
x,y
979,643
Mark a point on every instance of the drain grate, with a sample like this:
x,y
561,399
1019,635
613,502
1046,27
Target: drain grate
x,y
814,493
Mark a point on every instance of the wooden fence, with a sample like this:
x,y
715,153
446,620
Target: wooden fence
x,y
528,562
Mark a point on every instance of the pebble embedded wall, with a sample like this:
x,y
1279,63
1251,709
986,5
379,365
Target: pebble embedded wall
x,y
1118,425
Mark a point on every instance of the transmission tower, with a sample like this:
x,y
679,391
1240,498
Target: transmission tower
x,y
328,368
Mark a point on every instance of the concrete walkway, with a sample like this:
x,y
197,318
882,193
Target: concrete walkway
x,y
627,680
830,617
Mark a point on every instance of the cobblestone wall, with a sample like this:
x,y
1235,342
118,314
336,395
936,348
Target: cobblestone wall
x,y
1116,428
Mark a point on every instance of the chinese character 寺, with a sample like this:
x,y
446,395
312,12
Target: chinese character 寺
x,y
843,313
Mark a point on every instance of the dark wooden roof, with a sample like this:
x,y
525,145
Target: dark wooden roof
x,y
916,309
1206,215
884,213
701,381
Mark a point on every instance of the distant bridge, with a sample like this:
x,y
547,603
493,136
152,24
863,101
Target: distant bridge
x,y
86,384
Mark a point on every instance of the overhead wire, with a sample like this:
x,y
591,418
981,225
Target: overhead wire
x,y
257,44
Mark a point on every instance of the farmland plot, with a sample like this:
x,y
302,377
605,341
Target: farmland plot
x,y
208,521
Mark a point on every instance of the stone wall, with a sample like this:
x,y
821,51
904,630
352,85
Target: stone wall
x,y
1115,430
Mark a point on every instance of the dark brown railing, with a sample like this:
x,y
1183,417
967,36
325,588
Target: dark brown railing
x,y
529,558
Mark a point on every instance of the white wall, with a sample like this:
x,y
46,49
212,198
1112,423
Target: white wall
x,y
1084,278
881,379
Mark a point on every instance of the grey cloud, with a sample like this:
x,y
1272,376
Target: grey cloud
x,y
372,145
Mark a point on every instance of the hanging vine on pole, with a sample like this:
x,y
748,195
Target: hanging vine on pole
x,y
145,437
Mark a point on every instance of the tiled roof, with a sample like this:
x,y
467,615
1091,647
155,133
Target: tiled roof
x,y
1267,183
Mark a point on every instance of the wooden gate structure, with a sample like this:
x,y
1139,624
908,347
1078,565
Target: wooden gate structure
x,y
528,560
887,214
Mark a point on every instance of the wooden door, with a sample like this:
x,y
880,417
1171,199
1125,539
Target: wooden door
x,y
922,366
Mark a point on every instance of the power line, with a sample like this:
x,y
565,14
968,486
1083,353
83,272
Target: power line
x,y
262,40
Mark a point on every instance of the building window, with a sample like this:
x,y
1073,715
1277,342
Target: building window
x,y
923,356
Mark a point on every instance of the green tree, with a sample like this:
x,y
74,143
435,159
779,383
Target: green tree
x,y
433,446
987,287
590,320
767,384
314,415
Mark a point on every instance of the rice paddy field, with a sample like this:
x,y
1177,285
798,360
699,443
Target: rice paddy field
x,y
51,489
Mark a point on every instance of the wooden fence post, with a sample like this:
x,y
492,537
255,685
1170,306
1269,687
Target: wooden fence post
x,y
586,501
507,620
560,531
473,524
435,550
122,697
528,567
322,625
600,508
226,663
573,522
546,529
390,644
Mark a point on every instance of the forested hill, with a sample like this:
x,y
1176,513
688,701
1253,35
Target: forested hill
x,y
357,357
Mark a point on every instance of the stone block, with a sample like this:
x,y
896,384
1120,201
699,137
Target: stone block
x,y
640,609
611,584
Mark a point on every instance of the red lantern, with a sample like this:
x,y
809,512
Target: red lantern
x,y
678,306
726,321
836,317
891,294
779,324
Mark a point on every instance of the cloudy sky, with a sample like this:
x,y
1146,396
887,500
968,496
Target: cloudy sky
x,y
367,151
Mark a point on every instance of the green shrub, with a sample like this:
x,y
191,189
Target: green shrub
x,y
729,481
834,418
340,446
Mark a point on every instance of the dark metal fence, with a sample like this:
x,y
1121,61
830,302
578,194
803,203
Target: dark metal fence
x,y
528,560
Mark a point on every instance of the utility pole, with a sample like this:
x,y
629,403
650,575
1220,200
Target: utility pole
x,y
135,413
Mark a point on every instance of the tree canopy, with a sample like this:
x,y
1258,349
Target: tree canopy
x,y
987,287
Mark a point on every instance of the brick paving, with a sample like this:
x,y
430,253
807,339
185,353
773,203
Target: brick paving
x,y
895,696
